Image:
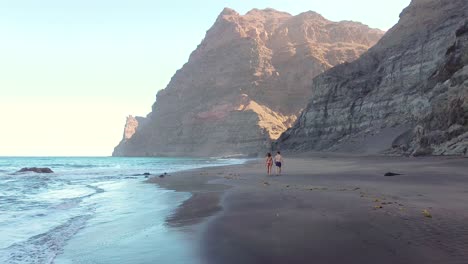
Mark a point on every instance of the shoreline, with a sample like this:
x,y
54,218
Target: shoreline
x,y
205,200
328,209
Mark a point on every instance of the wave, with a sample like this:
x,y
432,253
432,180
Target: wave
x,y
59,200
85,166
73,202
43,248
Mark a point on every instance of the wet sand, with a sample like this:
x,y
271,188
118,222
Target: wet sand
x,y
328,209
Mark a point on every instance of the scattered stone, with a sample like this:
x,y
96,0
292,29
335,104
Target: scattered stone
x,y
376,200
266,183
378,207
146,176
161,176
426,213
357,188
37,170
391,174
146,173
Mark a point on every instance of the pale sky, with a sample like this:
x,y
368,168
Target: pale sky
x,y
72,70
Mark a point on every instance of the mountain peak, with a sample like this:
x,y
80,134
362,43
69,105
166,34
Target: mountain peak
x,y
244,84
311,15
228,12
266,11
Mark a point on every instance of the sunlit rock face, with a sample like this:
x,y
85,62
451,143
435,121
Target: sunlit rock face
x,y
130,127
245,84
407,95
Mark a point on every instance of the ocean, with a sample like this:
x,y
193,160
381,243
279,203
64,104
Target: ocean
x,y
92,210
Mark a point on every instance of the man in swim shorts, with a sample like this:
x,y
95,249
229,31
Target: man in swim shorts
x,y
278,161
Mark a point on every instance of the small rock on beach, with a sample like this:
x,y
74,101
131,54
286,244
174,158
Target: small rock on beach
x,y
389,174
426,213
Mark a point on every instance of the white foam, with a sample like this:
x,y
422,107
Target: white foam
x,y
43,248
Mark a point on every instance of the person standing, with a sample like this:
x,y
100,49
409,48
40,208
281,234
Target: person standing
x,y
269,163
278,162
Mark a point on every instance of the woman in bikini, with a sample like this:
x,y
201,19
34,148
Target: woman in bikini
x,y
269,163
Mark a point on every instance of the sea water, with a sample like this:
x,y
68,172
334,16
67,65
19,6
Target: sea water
x,y
92,210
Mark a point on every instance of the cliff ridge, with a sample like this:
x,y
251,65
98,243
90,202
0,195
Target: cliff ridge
x,y
408,95
245,83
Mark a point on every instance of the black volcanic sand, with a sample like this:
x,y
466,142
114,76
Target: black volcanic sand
x,y
329,209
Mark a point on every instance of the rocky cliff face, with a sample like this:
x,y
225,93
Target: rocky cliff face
x,y
131,126
406,95
245,83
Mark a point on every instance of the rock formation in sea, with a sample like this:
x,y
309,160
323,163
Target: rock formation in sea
x,y
245,84
36,170
407,95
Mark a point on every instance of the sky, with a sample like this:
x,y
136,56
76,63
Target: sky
x,y
72,70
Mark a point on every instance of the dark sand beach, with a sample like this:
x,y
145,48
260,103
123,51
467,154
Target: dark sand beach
x,y
328,209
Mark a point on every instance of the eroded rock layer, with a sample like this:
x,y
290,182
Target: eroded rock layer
x,y
406,95
245,83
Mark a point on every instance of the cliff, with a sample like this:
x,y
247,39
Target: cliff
x,y
245,84
406,95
